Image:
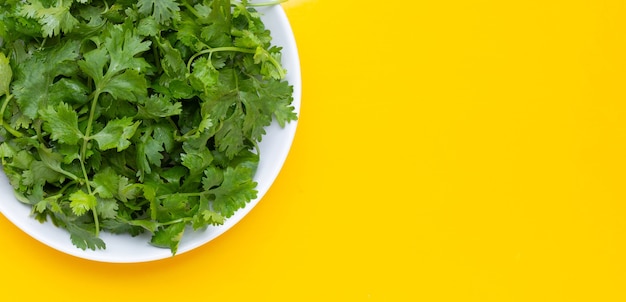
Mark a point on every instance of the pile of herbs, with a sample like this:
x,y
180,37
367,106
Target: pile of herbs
x,y
136,116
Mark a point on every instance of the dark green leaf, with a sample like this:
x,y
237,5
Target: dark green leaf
x,y
84,239
68,90
236,190
158,106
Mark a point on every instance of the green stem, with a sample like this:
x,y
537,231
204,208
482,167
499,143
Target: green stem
x,y
83,154
43,43
67,185
2,123
93,210
192,10
155,52
196,194
174,221
217,49
85,175
96,221
92,112
281,72
266,3
37,126
174,126
4,105
106,7
68,174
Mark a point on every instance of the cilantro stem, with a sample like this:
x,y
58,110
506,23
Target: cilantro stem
x,y
92,113
8,127
155,52
43,43
67,185
271,59
266,3
96,221
83,153
174,126
195,194
174,221
37,126
217,49
11,130
192,10
279,68
93,210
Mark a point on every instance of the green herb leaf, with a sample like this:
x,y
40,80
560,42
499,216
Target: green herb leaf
x,y
106,183
169,236
62,123
127,86
107,208
81,202
116,134
163,11
84,239
235,191
53,19
158,106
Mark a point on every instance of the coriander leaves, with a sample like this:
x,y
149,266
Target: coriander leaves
x,y
140,116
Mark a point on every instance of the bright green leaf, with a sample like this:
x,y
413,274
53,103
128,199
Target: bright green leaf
x,y
106,182
204,76
62,123
196,160
116,134
163,11
158,106
127,86
213,177
53,19
123,47
93,63
107,208
81,202
148,27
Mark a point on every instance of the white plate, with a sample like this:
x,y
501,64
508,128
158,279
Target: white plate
x,y
126,249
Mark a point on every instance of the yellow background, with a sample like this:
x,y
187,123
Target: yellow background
x,y
446,151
